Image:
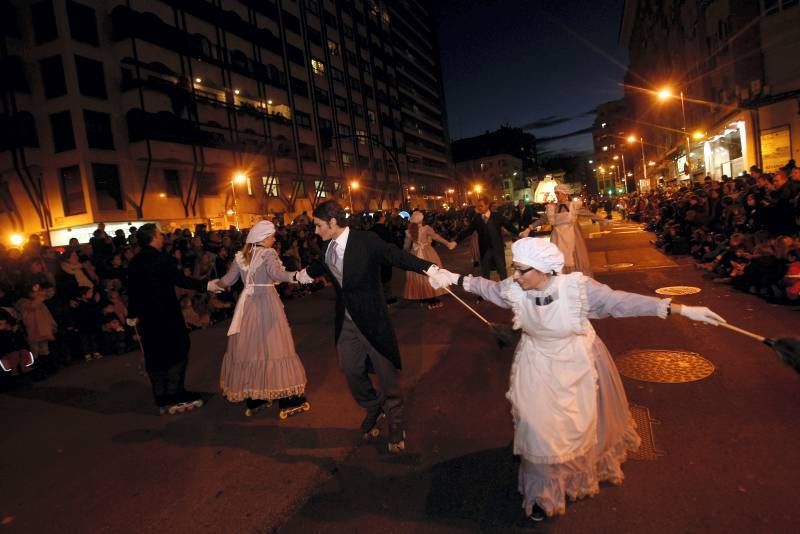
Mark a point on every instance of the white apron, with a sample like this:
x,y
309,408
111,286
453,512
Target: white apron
x,y
247,270
553,385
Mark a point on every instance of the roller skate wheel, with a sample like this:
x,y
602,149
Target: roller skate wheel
x,y
283,414
248,412
373,433
305,406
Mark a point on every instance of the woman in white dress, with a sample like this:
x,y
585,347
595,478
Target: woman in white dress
x,y
419,241
572,424
563,216
261,364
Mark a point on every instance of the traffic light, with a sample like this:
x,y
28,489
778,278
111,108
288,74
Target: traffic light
x,y
326,137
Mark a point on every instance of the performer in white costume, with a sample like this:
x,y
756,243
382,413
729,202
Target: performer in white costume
x,y
563,216
572,425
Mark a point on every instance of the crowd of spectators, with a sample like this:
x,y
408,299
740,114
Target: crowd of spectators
x,y
744,231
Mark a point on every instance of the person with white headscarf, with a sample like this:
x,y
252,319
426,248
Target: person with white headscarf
x,y
572,424
419,241
563,215
260,363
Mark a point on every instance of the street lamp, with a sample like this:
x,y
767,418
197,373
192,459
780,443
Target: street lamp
x,y
238,178
351,186
665,94
478,189
632,139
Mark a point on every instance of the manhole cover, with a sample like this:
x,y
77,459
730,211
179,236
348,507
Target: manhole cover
x,y
678,290
664,366
615,266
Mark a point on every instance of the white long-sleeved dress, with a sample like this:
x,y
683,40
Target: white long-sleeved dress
x,y
567,235
261,361
572,424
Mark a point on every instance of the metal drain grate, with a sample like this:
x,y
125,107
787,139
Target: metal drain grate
x,y
644,427
664,366
675,291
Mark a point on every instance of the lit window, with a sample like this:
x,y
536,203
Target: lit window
x,y
333,48
318,67
347,159
271,185
362,137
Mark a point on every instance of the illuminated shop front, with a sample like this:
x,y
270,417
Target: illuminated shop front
x,y
724,153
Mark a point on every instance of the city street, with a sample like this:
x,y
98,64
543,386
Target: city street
x,y
84,450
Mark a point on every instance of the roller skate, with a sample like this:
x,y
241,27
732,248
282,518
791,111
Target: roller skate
x,y
397,439
292,406
255,405
369,426
181,407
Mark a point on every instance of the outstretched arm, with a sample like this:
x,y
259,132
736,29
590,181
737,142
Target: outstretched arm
x,y
275,268
392,255
231,276
487,289
607,302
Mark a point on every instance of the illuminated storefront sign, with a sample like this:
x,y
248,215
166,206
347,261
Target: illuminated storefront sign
x,y
776,148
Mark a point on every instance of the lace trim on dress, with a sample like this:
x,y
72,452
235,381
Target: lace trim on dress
x,y
574,287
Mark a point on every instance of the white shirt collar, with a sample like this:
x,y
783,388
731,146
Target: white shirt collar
x,y
341,241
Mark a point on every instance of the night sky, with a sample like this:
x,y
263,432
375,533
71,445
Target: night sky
x,y
523,62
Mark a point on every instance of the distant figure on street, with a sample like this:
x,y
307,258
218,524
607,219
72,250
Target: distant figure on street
x,y
419,241
572,424
154,310
365,339
488,225
563,215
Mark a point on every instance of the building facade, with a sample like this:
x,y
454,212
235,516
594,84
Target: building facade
x,y
216,112
498,177
726,71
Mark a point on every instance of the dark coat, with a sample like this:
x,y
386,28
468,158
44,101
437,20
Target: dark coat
x,y
361,292
152,277
490,236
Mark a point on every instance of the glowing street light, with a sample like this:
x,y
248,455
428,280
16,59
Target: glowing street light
x,y
665,94
239,177
478,189
198,80
698,135
17,240
353,185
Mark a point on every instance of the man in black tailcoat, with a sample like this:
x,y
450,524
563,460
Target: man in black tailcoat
x,y
155,312
491,245
365,339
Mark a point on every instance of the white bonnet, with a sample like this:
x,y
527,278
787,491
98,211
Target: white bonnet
x,y
538,253
260,231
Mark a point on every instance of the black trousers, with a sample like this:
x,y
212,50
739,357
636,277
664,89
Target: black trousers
x,y
491,261
354,354
167,384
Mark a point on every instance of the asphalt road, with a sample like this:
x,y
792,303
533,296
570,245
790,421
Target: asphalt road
x,y
84,452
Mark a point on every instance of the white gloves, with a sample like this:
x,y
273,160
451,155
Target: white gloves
x,y
214,287
131,321
451,245
701,314
440,278
302,277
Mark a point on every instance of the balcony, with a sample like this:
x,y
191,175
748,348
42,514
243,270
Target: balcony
x,y
164,126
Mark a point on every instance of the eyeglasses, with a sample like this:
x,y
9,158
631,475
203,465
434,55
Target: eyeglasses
x,y
523,272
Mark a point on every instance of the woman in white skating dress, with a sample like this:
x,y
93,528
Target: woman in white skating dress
x,y
260,364
563,216
572,425
419,241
